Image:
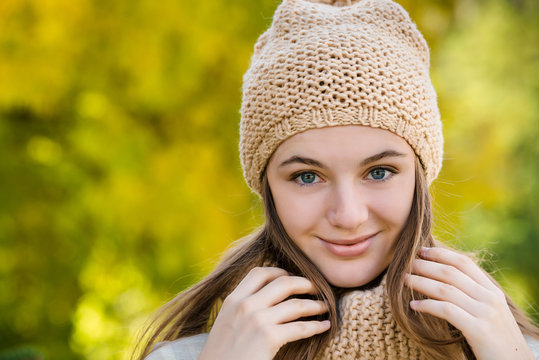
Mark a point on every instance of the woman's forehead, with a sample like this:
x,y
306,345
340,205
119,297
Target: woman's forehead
x,y
341,140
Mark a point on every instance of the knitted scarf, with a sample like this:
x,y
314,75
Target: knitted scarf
x,y
368,330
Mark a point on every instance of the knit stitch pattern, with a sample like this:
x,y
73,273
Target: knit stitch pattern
x,y
333,63
367,330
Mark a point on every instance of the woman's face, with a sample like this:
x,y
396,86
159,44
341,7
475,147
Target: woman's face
x,y
343,195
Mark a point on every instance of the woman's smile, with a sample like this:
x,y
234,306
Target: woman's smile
x,y
349,248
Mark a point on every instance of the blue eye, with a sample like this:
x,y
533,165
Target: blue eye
x,y
380,174
305,178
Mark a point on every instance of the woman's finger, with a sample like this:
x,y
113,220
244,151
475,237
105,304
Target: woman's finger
x,y
456,316
281,288
298,330
294,309
256,279
444,292
459,261
450,275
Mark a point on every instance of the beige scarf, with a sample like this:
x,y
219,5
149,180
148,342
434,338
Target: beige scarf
x,y
368,330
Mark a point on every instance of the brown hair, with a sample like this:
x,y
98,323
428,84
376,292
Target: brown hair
x,y
194,310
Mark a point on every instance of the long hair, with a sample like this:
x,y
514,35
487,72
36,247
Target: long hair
x,y
194,310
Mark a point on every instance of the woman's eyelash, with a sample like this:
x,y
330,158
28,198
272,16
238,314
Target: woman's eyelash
x,y
390,170
294,177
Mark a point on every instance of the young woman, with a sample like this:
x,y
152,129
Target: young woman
x,y
341,136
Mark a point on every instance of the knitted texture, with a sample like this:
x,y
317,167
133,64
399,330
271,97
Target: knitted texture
x,y
332,63
368,330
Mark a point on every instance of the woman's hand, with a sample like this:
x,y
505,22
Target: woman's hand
x,y
461,293
256,319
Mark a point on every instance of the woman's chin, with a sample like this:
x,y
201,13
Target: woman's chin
x,y
341,278
340,281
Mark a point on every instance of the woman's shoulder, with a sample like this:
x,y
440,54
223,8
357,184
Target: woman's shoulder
x,y
534,345
187,348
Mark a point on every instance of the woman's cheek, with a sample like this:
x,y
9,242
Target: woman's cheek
x,y
301,214
403,204
394,206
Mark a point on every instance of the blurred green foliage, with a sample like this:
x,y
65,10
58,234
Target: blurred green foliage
x,y
120,182
21,353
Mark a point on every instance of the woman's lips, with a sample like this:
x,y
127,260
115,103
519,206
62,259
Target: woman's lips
x,y
349,248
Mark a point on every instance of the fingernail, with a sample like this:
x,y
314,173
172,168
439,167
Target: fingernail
x,y
326,322
406,276
414,304
424,250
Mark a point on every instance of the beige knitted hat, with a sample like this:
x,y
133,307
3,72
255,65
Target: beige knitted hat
x,y
329,63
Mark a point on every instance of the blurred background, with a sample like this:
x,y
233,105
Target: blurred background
x,y
120,180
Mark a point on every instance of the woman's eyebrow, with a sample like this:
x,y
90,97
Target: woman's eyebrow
x,y
313,162
303,160
383,154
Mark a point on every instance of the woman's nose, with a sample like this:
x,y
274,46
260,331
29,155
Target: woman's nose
x,y
348,209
